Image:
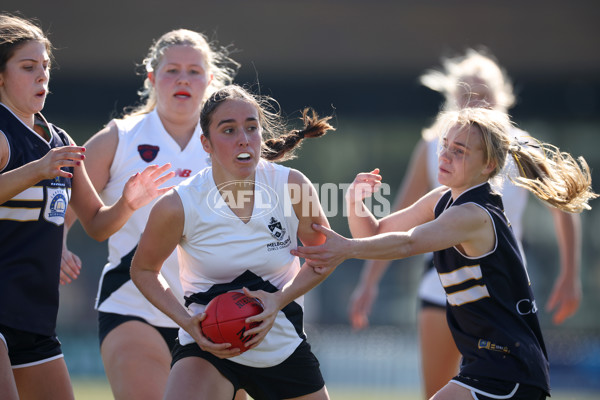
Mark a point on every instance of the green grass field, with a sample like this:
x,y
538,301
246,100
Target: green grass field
x,y
98,389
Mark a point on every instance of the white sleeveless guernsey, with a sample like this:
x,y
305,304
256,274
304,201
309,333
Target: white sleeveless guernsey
x,y
218,250
514,199
142,141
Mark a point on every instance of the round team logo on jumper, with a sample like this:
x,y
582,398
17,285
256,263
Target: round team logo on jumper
x,y
56,205
148,152
232,195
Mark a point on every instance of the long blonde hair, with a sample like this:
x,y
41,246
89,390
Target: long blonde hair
x,y
456,73
220,65
553,176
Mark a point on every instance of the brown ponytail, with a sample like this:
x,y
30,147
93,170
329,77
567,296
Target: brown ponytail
x,y
283,147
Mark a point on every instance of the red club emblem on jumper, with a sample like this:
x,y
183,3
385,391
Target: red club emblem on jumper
x,y
148,152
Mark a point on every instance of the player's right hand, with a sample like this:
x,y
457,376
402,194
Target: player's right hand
x,y
221,350
363,186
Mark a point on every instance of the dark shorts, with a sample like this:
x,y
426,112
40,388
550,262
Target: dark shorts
x,y
492,389
26,349
297,376
108,321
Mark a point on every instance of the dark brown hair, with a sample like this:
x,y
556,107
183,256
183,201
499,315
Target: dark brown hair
x,y
281,145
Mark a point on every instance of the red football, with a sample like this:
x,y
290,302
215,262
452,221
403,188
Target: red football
x,y
225,320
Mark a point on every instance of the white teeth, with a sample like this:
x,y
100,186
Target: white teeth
x,y
243,156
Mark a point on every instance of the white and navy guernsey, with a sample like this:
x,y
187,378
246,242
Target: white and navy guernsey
x,y
31,232
220,253
143,140
491,310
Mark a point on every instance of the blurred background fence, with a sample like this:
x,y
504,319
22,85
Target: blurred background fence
x,y
360,61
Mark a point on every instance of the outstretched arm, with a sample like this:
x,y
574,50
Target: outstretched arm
x,y
309,212
565,297
414,185
467,225
100,221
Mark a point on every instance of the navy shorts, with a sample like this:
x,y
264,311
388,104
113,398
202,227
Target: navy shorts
x,y
26,349
492,389
108,321
296,376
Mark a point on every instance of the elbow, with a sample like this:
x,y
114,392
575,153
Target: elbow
x,y
99,236
95,229
133,273
142,274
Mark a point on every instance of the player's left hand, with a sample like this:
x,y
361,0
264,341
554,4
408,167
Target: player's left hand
x,y
265,319
327,255
143,187
564,299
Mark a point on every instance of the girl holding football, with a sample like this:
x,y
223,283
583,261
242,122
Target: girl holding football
x,y
234,224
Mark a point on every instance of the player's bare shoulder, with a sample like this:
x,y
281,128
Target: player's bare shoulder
x,y
428,202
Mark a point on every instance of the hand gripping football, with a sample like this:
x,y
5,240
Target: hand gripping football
x,y
225,320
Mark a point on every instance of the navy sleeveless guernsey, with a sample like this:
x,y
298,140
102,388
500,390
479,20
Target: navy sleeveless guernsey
x,y
31,233
491,310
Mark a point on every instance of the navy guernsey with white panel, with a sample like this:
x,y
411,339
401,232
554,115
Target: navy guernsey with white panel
x,y
31,232
491,310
